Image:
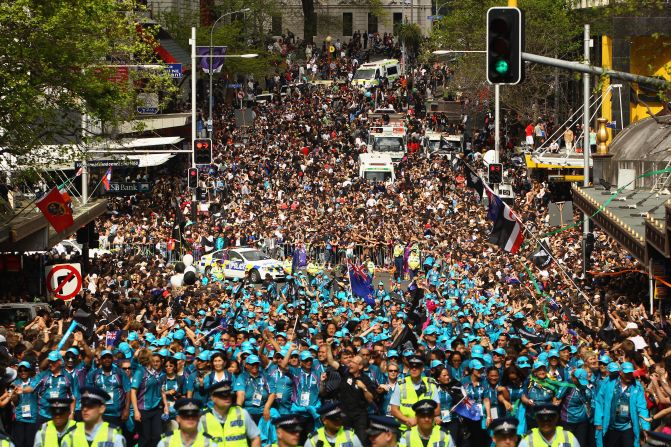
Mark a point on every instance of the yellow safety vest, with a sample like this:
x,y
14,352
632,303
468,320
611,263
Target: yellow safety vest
x,y
343,438
561,438
371,268
50,436
232,434
77,437
438,438
413,261
409,396
5,441
174,439
398,250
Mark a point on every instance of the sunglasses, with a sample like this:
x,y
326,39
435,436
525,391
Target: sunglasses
x,y
392,370
545,418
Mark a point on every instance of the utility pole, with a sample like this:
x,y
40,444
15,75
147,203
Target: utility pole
x,y
585,144
194,73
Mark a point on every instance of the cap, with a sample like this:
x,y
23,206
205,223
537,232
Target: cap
x,y
306,355
188,407
631,326
289,422
92,396
331,411
54,356
546,411
581,375
425,406
25,364
392,353
253,360
540,364
381,424
523,362
476,364
627,368
613,367
59,405
416,360
106,352
222,388
504,426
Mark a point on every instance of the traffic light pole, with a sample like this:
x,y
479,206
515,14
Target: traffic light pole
x,y
194,72
585,145
497,119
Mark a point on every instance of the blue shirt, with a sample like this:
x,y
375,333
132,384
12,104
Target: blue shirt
x,y
148,385
256,391
115,383
282,387
620,413
576,405
26,407
49,386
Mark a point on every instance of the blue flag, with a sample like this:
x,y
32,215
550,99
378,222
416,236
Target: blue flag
x,y
362,283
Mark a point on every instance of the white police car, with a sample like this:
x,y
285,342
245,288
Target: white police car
x,y
236,262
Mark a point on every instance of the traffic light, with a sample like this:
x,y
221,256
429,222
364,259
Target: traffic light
x,y
495,173
202,151
192,178
505,44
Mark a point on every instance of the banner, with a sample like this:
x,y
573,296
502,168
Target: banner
x,y
217,60
56,210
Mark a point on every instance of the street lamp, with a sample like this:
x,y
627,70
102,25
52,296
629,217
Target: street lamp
x,y
211,70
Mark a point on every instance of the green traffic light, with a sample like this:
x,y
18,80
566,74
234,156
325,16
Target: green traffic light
x,y
501,67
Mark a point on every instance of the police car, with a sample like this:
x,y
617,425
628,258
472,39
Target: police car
x,y
236,262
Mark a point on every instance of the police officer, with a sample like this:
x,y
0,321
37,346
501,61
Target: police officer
x,y
548,434
333,433
426,433
52,431
227,423
93,431
382,431
188,416
289,428
409,391
504,431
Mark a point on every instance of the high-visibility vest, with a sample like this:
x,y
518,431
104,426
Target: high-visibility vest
x,y
343,438
104,436
563,438
371,268
49,434
232,434
174,439
5,441
398,250
438,438
409,396
413,260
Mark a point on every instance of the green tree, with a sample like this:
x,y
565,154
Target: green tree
x,y
57,61
410,34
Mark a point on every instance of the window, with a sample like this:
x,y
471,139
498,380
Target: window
x,y
372,23
347,23
276,26
392,71
397,20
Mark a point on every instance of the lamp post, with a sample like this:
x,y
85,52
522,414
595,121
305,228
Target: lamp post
x,y
210,122
328,51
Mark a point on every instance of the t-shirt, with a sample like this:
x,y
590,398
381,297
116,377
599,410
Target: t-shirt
x,y
351,397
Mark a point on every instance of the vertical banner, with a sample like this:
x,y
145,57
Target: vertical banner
x,y
217,60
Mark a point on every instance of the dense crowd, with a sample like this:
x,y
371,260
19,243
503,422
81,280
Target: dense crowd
x,y
461,334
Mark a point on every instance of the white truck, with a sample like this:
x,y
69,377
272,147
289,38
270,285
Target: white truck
x,y
389,140
376,167
368,75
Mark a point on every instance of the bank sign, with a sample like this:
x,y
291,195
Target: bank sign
x,y
128,189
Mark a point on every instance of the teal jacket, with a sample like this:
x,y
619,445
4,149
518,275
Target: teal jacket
x,y
637,408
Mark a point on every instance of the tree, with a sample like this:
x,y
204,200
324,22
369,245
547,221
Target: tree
x,y
410,34
57,62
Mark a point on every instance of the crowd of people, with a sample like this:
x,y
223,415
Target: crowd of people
x,y
463,344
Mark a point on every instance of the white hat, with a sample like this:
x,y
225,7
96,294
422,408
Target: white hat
x,y
2,339
631,326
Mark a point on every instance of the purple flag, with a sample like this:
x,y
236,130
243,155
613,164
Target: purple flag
x,y
217,60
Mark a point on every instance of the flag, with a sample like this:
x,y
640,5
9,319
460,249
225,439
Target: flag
x,y
541,257
56,210
107,178
552,303
473,180
467,408
507,231
611,124
361,282
217,59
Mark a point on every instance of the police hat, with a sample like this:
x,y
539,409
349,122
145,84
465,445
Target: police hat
x,y
416,361
223,388
59,405
425,406
381,424
504,426
93,396
547,411
657,439
331,411
289,422
188,407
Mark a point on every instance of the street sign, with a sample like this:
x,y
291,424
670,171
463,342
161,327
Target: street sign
x,y
147,110
438,17
234,85
175,71
121,189
123,163
64,281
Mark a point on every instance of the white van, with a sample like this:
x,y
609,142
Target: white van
x,y
376,167
368,75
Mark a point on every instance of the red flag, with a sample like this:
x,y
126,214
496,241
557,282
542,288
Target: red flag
x,y
56,210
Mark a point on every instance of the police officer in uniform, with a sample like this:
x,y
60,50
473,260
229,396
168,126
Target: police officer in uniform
x,y
226,423
548,434
289,428
504,431
383,431
426,433
409,391
332,434
93,431
52,431
188,416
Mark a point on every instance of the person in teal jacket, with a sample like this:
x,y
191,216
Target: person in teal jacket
x,y
620,411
